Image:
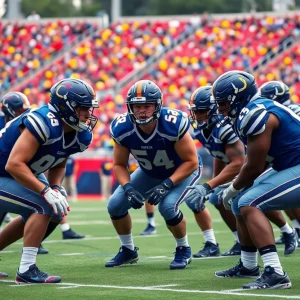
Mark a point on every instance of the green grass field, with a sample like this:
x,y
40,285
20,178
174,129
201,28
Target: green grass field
x,y
80,263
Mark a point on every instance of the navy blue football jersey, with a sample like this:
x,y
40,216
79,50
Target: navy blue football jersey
x,y
47,127
155,153
295,108
285,144
216,141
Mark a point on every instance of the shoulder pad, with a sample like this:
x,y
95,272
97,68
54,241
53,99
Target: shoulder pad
x,y
173,123
121,127
227,135
252,120
295,108
38,125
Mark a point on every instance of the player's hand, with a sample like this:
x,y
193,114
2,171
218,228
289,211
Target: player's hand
x,y
156,194
197,194
135,198
58,202
61,189
227,196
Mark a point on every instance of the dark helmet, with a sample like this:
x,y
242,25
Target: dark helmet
x,y
277,91
14,104
236,87
201,100
144,91
67,95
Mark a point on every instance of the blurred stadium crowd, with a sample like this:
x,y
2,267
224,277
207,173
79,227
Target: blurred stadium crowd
x,y
209,48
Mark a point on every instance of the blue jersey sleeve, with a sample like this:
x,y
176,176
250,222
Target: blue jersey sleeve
x,y
295,108
120,128
227,135
38,126
252,120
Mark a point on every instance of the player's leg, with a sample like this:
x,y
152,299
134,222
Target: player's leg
x,y
150,229
169,209
211,247
20,200
118,207
203,219
229,219
289,236
67,232
277,191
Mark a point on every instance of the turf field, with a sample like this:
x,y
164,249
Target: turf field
x,y
80,263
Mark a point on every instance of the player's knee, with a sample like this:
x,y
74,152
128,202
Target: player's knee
x,y
115,209
235,207
176,220
118,217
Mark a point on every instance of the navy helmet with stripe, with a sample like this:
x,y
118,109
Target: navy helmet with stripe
x,y
277,91
69,94
144,92
201,100
235,87
14,104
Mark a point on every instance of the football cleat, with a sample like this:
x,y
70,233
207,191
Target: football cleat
x,y
34,275
239,271
298,233
3,275
290,242
149,230
72,235
235,250
125,256
280,240
42,250
270,280
183,256
209,250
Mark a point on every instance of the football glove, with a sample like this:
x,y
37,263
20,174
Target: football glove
x,y
58,202
227,196
156,194
61,189
135,198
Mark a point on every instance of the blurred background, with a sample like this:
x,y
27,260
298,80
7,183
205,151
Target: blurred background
x,y
180,45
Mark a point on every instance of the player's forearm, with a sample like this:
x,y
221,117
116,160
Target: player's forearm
x,y
184,171
121,174
21,173
56,176
247,175
226,175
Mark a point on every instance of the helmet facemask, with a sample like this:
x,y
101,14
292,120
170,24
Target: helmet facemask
x,y
142,100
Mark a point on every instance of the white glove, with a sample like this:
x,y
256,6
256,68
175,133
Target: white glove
x,y
197,194
58,202
227,196
63,191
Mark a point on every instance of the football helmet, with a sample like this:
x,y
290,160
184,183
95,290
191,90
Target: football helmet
x,y
277,91
14,104
142,92
201,100
235,87
69,94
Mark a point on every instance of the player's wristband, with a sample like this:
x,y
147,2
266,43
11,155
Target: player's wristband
x,y
168,183
43,192
127,187
55,187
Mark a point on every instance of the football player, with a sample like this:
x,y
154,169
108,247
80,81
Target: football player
x,y
229,155
13,104
159,140
280,92
35,142
271,133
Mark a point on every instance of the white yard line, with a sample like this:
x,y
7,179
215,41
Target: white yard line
x,y
164,288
